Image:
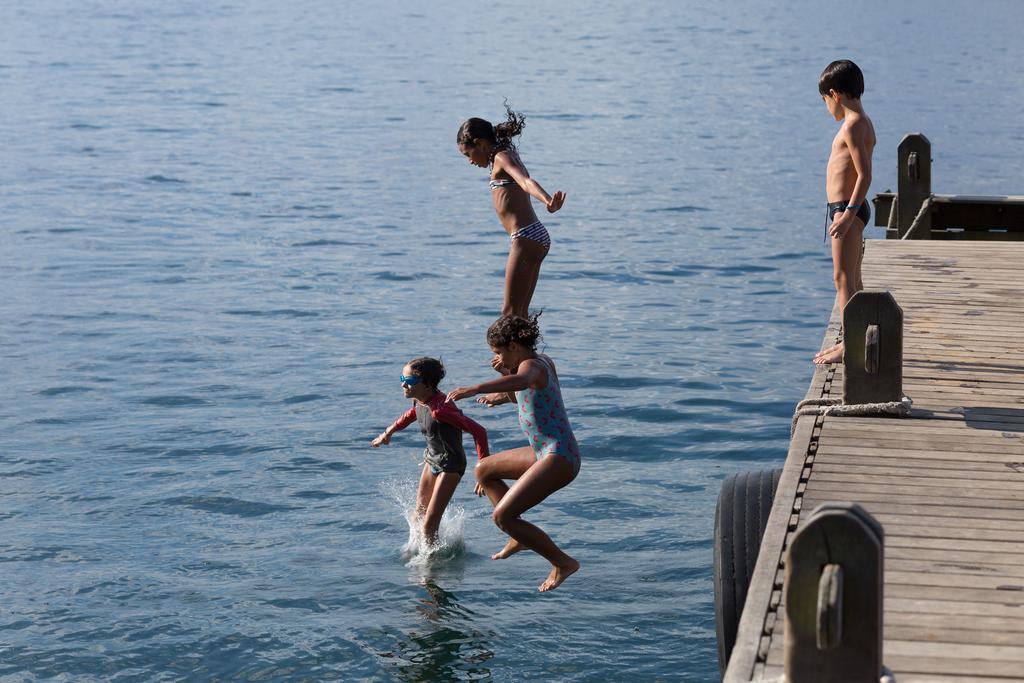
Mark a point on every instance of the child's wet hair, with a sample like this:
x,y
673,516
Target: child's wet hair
x,y
430,369
843,76
500,135
514,328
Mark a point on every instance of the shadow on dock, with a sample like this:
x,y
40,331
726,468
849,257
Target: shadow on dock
x,y
980,417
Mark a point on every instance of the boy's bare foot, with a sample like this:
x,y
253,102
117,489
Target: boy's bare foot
x,y
833,355
511,548
559,573
825,352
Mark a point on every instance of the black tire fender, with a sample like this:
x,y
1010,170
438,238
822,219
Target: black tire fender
x,y
741,516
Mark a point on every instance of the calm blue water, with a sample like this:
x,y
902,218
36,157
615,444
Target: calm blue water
x,y
226,226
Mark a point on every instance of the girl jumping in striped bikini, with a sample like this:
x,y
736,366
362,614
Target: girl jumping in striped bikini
x,y
491,147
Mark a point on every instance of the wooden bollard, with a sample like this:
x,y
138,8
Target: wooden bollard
x,y
833,596
914,184
872,349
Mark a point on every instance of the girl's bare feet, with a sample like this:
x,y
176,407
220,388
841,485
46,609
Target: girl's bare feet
x,y
833,355
511,548
559,573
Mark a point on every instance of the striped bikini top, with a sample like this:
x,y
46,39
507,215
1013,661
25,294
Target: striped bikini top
x,y
498,182
501,182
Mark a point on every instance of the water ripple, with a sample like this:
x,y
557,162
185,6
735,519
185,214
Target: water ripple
x,y
226,505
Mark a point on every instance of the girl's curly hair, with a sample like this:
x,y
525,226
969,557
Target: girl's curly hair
x,y
430,369
513,328
500,135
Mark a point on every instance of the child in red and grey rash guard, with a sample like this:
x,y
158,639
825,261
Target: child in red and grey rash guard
x,y
442,423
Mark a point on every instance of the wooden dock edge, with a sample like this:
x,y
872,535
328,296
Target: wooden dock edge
x,y
766,583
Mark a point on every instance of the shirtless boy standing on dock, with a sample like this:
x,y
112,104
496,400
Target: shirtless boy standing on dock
x,y
846,184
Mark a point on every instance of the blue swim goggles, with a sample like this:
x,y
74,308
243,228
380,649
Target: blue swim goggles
x,y
410,380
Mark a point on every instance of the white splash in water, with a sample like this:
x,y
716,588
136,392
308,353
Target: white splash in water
x,y
417,552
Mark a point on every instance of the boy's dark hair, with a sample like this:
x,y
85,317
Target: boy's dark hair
x,y
430,369
513,328
500,135
843,76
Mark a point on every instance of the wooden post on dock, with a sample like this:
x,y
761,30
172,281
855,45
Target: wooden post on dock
x,y
833,597
872,349
914,185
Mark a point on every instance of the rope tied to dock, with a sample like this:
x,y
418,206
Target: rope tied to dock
x,y
893,213
926,206
835,406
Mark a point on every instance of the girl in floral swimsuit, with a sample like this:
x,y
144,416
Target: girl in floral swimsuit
x,y
491,147
550,462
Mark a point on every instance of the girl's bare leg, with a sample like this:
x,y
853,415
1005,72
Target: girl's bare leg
x,y
521,273
846,258
444,488
425,490
491,472
540,481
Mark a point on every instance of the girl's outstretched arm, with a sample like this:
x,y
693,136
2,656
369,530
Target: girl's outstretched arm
x,y
401,423
497,399
528,375
501,397
509,163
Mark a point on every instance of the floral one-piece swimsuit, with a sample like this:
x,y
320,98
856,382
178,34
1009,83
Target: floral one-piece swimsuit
x,y
544,421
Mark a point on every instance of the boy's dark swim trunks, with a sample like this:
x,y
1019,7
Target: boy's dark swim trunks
x,y
863,213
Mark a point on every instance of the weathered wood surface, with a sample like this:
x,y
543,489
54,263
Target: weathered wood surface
x,y
873,348
834,580
914,177
947,483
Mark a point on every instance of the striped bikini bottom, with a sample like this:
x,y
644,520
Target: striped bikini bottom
x,y
534,231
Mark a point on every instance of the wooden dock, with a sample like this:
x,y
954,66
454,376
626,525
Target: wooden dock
x,y
946,483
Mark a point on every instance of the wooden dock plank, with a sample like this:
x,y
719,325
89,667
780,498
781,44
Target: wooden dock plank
x,y
955,555
895,648
908,659
853,460
773,673
1013,490
949,436
870,478
1012,599
975,623
976,580
901,526
957,609
965,497
956,522
931,509
934,451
